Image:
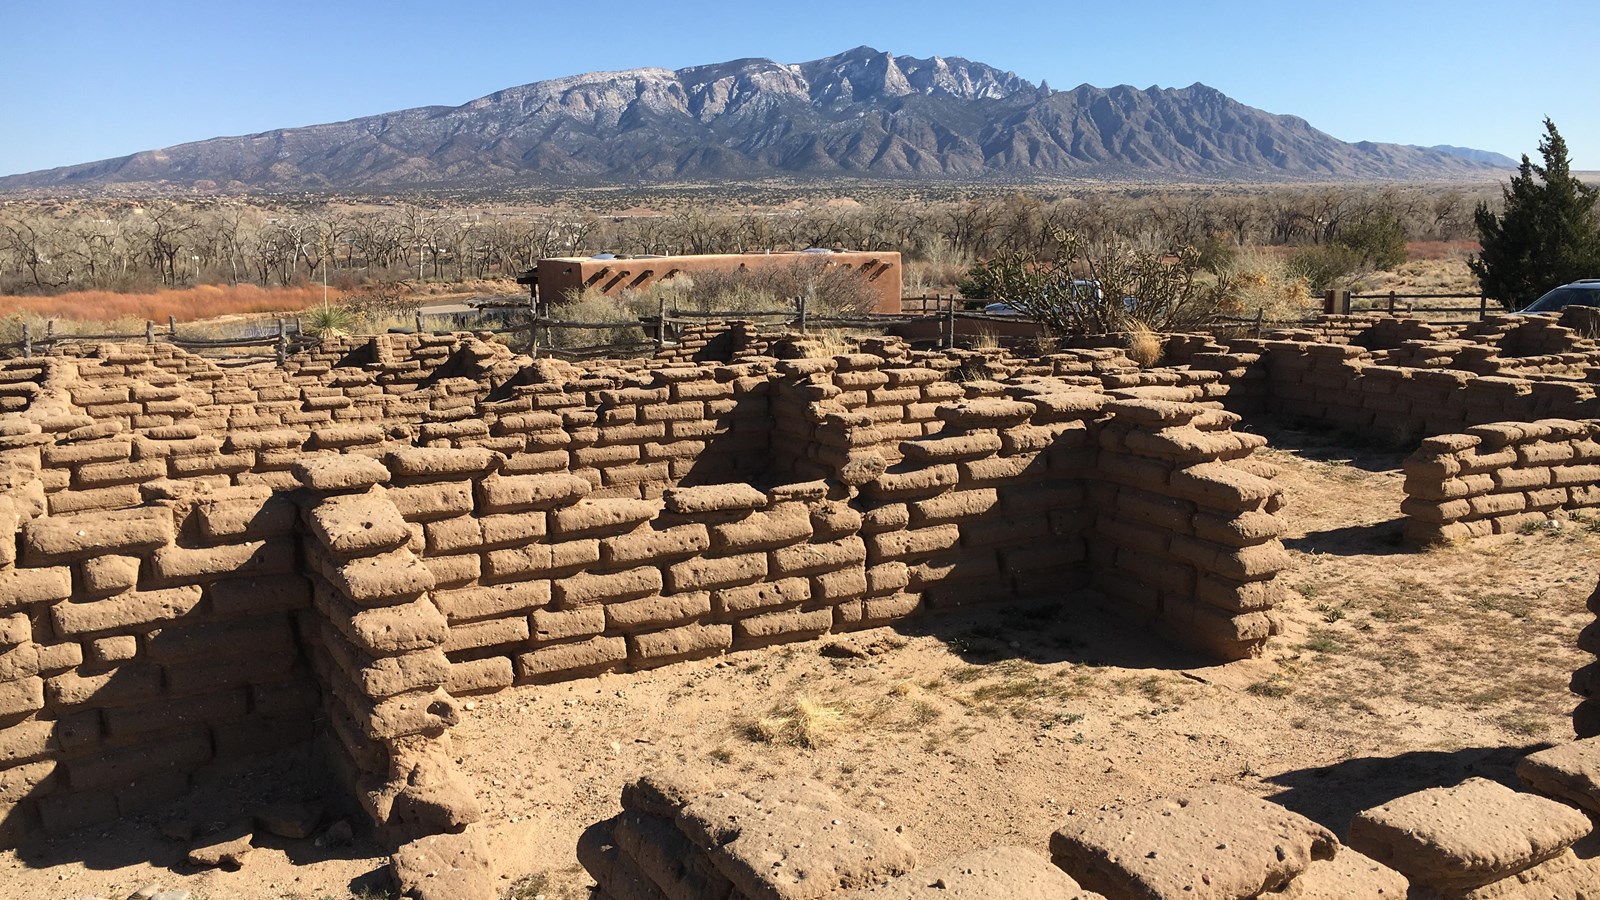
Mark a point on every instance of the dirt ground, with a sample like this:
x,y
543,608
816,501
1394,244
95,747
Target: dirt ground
x,y
1400,670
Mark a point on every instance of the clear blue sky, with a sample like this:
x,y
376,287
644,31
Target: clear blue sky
x,y
82,80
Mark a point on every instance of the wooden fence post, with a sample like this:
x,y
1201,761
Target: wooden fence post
x,y
27,341
149,332
1483,306
661,323
950,319
1391,302
172,326
283,346
50,330
801,300
1261,315
419,321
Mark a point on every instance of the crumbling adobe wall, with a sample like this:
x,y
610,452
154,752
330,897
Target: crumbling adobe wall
x,y
142,649
1495,478
374,533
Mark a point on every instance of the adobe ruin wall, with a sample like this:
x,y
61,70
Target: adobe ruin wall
x,y
212,564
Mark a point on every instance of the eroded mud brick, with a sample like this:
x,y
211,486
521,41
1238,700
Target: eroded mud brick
x,y
667,858
594,517
705,574
434,500
251,596
444,867
793,839
1011,872
900,545
381,579
657,611
116,768
55,539
1217,842
657,648
25,741
125,610
488,601
21,587
713,498
339,473
519,493
1463,837
1223,487
763,530
540,560
559,661
358,524
1568,772
386,630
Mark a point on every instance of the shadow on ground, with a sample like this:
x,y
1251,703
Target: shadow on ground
x,y
1321,444
1332,795
1373,539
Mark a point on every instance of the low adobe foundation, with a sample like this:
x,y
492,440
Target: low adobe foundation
x,y
213,564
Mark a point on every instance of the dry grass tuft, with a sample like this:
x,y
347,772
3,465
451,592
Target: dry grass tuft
x,y
1144,347
804,722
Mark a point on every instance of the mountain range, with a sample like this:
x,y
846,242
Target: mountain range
x,y
861,114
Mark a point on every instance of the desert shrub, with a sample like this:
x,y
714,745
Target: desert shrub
x,y
1377,240
380,305
1324,265
590,305
1264,282
328,319
1102,287
828,288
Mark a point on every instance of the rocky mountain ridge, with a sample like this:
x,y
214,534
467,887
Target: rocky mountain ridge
x,y
861,114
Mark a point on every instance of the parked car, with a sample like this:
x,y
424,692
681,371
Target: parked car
x,y
1583,292
1084,285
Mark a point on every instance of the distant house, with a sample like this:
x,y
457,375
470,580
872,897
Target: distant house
x,y
612,274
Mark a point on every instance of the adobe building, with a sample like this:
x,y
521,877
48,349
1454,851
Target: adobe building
x,y
612,274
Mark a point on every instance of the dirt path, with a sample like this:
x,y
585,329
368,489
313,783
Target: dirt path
x,y
1400,670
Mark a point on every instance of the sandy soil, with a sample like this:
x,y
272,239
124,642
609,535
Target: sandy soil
x,y
1400,670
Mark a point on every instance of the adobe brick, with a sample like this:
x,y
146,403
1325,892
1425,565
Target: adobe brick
x,y
590,516
789,624
66,503
488,601
887,578
96,475
180,565
895,545
480,676
21,696
20,782
844,584
115,649
517,528
20,587
114,769
26,741
454,571
656,611
658,648
519,493
487,633
807,559
253,596
775,594
120,686
912,483
15,629
246,516
584,588
135,608
358,524
21,661
649,544
437,500
58,657
763,530
540,560
62,538
729,571
262,636
436,463
176,715
386,630
558,661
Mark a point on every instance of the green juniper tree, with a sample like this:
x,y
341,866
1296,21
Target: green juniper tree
x,y
1548,234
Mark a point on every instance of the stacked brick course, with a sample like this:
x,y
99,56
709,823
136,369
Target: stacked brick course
x,y
390,522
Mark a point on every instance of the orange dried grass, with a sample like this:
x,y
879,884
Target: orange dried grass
x,y
205,301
